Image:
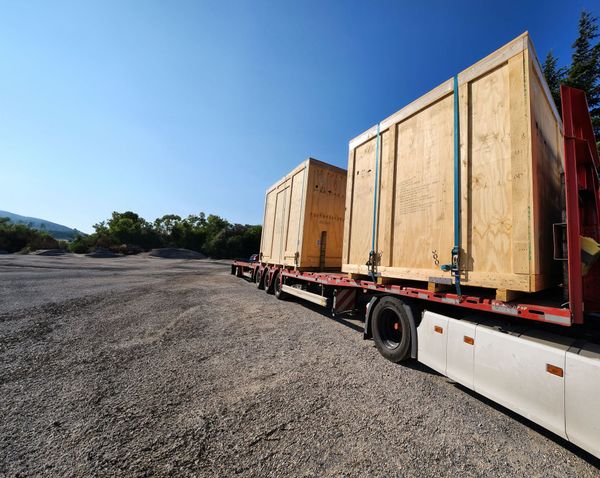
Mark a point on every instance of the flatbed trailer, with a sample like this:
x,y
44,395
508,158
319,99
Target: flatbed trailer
x,y
539,357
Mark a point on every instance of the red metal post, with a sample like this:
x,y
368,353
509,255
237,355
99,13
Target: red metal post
x,y
582,198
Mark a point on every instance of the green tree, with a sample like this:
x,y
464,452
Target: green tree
x,y
128,229
127,232
584,72
21,237
165,225
79,245
554,77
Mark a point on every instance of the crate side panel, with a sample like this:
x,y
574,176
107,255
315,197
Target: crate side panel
x,y
280,223
363,187
293,240
266,245
324,212
547,163
424,209
490,188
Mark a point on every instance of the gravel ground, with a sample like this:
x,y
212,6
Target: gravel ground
x,y
144,366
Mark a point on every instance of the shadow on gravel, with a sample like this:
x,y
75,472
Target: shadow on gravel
x,y
419,367
346,319
592,460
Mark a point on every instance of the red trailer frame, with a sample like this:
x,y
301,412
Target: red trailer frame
x,y
582,203
582,169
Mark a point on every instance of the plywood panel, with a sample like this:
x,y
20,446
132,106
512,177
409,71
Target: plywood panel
x,y
326,192
295,218
385,198
490,188
349,211
279,224
387,203
266,246
547,150
520,164
362,207
424,190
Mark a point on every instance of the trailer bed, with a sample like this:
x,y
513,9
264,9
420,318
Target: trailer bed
x,y
541,308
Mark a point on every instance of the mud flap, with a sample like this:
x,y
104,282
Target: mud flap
x,y
344,300
367,331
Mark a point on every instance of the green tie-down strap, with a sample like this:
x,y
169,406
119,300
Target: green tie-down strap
x,y
373,254
454,266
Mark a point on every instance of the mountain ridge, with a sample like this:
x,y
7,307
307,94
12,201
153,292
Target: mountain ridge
x,y
58,231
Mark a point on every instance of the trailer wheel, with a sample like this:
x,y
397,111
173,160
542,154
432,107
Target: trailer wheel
x,y
259,278
391,329
277,283
269,282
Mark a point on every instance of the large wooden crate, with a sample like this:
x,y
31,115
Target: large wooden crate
x,y
510,166
304,218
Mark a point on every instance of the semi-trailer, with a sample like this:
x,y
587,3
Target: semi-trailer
x,y
537,354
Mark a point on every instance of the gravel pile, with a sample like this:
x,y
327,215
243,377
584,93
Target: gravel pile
x,y
50,252
176,253
102,253
178,368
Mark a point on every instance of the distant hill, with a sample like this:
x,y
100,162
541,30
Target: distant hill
x,y
57,231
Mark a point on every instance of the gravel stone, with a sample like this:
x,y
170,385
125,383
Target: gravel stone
x,y
135,366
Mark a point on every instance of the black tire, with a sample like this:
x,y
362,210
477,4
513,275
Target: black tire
x,y
233,270
390,326
277,287
239,272
259,279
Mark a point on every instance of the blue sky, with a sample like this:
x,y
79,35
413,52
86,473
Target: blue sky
x,y
188,106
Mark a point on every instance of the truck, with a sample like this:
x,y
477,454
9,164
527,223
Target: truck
x,y
537,355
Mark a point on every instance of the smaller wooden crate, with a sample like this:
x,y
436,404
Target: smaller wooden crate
x,y
303,224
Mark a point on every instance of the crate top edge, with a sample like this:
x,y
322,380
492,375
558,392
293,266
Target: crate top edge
x,y
504,53
304,164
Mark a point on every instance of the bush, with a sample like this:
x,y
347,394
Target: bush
x,y
79,245
127,249
19,237
128,233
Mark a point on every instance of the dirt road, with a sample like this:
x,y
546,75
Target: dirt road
x,y
145,366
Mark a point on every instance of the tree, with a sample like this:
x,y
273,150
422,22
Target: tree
x,y
584,72
21,237
129,233
79,245
167,223
554,77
